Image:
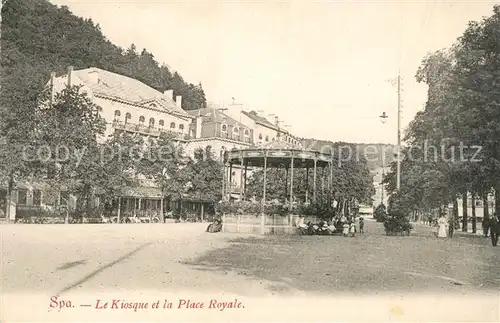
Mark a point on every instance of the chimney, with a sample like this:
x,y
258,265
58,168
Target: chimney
x,y
178,101
94,76
70,71
199,121
169,94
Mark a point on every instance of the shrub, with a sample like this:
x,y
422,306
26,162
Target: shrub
x,y
380,213
397,222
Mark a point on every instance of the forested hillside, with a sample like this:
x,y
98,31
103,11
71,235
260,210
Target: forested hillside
x,y
39,38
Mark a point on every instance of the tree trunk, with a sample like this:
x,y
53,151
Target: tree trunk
x,y
486,207
497,200
473,213
455,214
464,211
8,197
119,210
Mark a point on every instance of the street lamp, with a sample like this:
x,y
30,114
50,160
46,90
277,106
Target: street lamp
x,y
383,118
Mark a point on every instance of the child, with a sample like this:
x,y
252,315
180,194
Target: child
x,y
352,228
345,229
361,225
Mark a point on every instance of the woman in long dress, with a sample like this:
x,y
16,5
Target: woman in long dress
x,y
442,227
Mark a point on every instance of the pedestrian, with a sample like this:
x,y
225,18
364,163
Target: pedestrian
x,y
345,229
352,228
494,229
441,233
486,226
361,225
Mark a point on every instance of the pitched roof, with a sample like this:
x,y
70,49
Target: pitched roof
x,y
125,88
214,115
263,121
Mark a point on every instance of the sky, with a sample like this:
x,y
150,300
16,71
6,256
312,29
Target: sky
x,y
325,68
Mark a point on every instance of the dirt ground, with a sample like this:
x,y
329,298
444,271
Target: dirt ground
x,y
183,258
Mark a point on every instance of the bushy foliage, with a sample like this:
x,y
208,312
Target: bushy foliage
x,y
397,220
320,210
380,213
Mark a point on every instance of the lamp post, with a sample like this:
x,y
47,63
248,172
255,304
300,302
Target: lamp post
x,y
383,118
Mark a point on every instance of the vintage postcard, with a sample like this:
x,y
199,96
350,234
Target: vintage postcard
x,y
249,161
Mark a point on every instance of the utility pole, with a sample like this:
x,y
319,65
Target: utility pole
x,y
383,119
398,174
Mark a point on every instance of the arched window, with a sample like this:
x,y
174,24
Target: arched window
x,y
267,138
181,127
152,122
161,123
247,135
274,139
260,136
236,133
141,120
172,125
224,131
128,116
117,115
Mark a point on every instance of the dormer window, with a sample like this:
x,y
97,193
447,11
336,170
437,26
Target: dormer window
x,y
151,122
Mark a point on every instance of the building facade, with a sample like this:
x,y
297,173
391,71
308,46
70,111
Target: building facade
x,y
127,104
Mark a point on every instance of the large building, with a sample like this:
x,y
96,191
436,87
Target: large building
x,y
129,105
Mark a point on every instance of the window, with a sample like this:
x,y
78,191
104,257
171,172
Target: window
x,y
274,139
22,197
152,122
260,136
236,130
222,151
172,125
37,197
181,127
141,119
153,105
161,123
224,131
117,115
99,110
247,135
267,138
128,117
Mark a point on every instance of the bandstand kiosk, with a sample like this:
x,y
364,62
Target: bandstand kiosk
x,y
276,154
